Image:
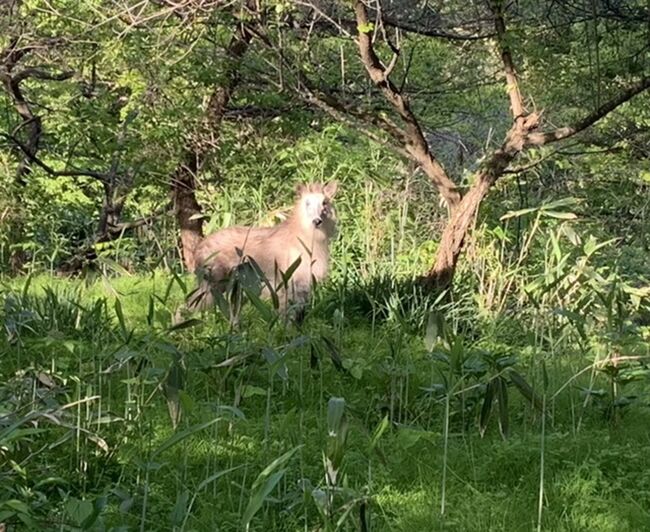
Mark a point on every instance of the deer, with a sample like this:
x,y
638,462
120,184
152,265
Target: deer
x,y
288,259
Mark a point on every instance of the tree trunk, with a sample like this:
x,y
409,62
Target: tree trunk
x,y
453,237
186,208
204,141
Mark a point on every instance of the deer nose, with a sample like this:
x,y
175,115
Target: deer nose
x,y
317,222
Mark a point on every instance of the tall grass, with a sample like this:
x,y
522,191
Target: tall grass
x,y
516,402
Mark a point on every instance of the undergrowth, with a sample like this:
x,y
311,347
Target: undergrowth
x,y
388,409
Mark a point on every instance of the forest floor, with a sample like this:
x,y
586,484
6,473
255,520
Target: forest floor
x,y
93,374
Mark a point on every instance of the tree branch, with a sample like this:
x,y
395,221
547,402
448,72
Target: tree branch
x,y
145,220
413,138
352,117
40,73
436,33
541,138
100,176
516,102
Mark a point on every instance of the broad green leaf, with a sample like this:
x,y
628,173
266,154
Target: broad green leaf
x,y
180,508
517,214
79,510
525,389
180,436
502,396
192,322
264,484
379,431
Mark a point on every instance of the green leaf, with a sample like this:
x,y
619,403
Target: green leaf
x,y
17,506
333,352
79,510
117,268
265,311
192,322
573,237
264,484
559,215
381,428
517,214
432,334
120,318
562,202
486,408
276,362
525,389
180,436
216,476
502,396
249,391
150,312
368,27
286,276
180,508
591,245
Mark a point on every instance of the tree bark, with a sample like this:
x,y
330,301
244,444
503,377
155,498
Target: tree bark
x,y
453,237
186,208
411,136
184,179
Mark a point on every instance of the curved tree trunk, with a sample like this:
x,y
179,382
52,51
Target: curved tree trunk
x,y
453,237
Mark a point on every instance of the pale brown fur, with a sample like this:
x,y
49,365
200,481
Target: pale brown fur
x,y
306,234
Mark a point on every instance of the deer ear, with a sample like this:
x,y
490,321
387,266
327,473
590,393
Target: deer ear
x,y
330,189
300,189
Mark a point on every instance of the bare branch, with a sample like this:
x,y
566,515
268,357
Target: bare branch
x,y
145,220
413,138
393,62
551,154
40,73
439,34
516,102
539,139
354,118
100,176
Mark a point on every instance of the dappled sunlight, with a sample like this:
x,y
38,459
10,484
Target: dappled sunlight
x,y
448,331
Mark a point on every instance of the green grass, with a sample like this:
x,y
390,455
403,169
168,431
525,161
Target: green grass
x,y
84,416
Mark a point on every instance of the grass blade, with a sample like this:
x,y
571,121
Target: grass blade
x,y
264,484
525,389
180,436
502,397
